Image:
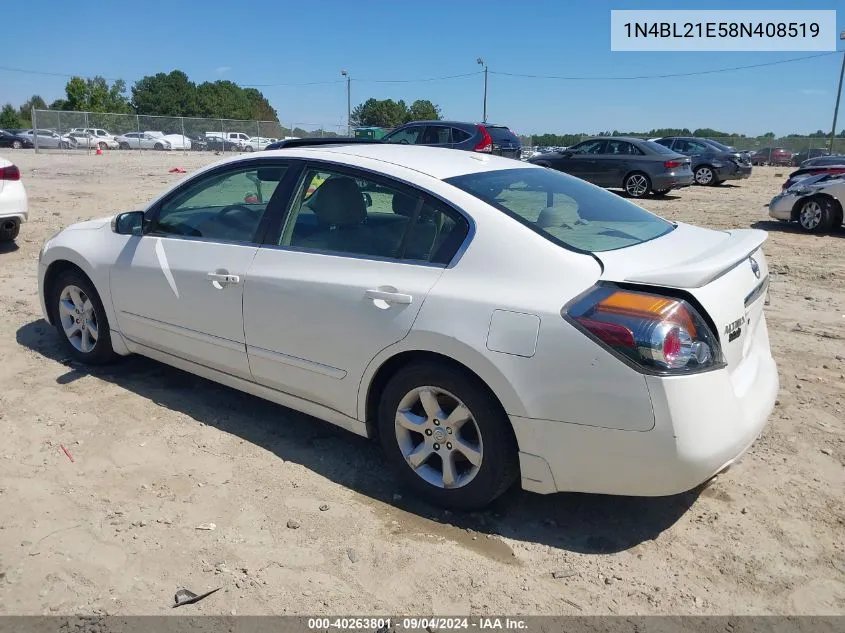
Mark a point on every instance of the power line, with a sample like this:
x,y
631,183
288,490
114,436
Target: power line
x,y
687,74
407,81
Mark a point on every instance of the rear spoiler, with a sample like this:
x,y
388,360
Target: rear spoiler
x,y
709,265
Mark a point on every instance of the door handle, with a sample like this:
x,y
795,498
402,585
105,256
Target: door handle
x,y
218,280
389,297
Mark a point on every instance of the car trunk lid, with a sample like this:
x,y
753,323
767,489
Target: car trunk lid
x,y
724,271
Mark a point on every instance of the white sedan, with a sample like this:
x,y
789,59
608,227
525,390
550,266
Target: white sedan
x,y
142,140
489,321
815,203
13,201
86,140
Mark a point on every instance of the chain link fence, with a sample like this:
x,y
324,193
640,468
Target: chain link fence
x,y
70,131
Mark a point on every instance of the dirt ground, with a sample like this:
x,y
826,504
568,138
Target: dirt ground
x,y
309,521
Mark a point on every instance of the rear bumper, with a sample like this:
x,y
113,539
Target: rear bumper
x,y
703,424
734,172
672,180
13,201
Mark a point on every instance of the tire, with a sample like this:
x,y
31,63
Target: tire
x,y
705,176
158,146
123,145
248,148
637,185
661,192
486,434
102,146
17,145
816,214
9,229
69,300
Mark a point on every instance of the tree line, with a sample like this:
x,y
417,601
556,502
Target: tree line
x,y
564,140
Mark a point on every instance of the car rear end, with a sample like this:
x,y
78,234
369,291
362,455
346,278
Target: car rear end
x,y
680,379
494,139
13,201
734,166
666,168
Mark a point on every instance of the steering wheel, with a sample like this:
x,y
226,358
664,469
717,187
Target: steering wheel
x,y
404,141
233,207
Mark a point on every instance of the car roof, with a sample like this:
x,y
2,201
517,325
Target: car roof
x,y
632,139
437,162
440,122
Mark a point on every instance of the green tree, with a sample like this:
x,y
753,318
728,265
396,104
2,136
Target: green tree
x,y
35,102
166,94
379,113
9,118
769,135
96,95
423,110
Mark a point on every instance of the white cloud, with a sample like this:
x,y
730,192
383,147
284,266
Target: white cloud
x,y
813,91
222,69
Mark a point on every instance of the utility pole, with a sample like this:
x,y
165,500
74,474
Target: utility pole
x,y
838,96
343,73
481,62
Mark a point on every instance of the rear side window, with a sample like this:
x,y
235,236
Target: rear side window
x,y
659,147
459,136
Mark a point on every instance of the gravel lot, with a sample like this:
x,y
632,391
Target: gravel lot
x,y
309,521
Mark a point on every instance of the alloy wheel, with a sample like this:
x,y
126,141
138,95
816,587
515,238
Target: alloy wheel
x,y
636,185
78,319
810,215
704,175
438,437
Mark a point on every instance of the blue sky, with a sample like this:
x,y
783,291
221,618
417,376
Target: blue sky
x,y
266,42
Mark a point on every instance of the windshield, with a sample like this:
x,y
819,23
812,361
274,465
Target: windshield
x,y
565,210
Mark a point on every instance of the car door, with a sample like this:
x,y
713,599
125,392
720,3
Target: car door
x,y
343,279
178,287
582,160
48,139
437,136
617,162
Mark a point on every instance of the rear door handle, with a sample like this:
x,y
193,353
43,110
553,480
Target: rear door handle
x,y
389,297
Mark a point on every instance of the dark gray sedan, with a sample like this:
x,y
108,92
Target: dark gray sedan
x,y
620,162
712,162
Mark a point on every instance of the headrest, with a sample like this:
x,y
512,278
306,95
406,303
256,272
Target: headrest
x,y
406,205
339,202
550,216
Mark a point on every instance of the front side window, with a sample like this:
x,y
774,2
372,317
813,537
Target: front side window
x,y
225,206
345,214
406,136
563,209
589,147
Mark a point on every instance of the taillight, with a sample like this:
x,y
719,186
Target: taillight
x,y
486,143
673,164
10,173
652,331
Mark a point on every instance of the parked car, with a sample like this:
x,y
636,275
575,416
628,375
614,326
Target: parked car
x,y
142,140
474,137
821,161
711,163
14,141
238,139
219,144
620,162
815,203
258,143
94,131
199,143
86,140
772,156
807,154
13,201
175,141
489,320
806,172
48,139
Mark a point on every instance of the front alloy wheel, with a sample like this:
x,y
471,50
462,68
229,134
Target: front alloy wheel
x,y
814,215
80,319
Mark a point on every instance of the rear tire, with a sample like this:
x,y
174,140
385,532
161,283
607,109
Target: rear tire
x,y
705,176
123,145
16,144
80,319
102,146
481,451
158,146
9,229
637,185
816,214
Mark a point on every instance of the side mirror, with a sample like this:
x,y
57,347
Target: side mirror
x,y
128,223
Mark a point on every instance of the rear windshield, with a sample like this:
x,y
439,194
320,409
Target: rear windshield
x,y
499,134
721,146
565,210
